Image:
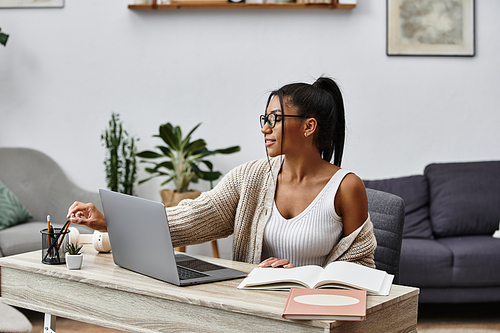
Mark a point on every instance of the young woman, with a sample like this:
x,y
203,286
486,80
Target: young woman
x,y
291,209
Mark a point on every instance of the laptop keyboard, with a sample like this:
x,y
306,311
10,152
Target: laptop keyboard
x,y
199,265
186,274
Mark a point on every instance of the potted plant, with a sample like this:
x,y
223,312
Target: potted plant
x,y
180,161
73,256
120,161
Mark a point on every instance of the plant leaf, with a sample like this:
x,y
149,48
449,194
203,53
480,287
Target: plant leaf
x,y
3,38
168,136
167,164
188,137
210,175
209,164
168,180
145,180
178,135
229,150
149,154
166,151
194,147
205,175
151,170
202,153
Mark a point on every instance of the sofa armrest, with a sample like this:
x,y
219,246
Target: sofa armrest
x,y
40,184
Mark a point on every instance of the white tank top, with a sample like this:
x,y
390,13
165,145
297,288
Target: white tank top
x,y
308,238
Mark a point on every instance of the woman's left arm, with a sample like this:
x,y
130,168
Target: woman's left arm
x,y
359,243
352,203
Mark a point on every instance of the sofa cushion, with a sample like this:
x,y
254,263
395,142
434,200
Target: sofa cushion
x,y
476,260
460,295
425,263
21,238
26,237
464,198
414,191
13,320
12,211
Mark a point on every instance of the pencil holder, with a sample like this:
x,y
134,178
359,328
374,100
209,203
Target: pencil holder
x,y
53,246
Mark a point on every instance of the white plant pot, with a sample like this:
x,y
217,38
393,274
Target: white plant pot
x,y
74,261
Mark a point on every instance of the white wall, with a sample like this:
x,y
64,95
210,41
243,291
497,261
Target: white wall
x,y
65,70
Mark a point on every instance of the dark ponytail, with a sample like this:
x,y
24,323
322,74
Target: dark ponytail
x,y
332,138
321,100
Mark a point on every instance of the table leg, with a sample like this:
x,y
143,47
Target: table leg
x,y
329,328
49,323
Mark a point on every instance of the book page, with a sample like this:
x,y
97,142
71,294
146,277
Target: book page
x,y
304,275
353,275
386,285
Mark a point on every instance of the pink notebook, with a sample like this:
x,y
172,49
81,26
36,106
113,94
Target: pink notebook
x,y
325,304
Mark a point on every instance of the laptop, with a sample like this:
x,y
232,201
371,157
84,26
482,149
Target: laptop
x,y
140,241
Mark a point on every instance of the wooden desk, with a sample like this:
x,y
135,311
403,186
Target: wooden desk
x,y
104,294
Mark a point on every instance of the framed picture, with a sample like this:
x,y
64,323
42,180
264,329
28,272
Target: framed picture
x,y
430,27
30,3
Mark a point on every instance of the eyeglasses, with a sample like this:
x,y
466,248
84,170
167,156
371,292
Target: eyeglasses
x,y
272,118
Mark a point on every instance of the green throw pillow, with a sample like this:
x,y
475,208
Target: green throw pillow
x,y
12,211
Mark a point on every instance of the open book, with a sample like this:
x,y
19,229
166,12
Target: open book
x,y
338,274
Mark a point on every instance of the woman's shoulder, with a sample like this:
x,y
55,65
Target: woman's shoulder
x,y
351,182
351,185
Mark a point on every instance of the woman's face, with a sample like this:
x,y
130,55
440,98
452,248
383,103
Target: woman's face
x,y
293,131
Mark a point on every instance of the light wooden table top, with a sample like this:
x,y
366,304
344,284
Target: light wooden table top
x,y
24,279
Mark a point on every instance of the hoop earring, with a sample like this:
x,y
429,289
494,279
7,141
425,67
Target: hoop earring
x,y
305,134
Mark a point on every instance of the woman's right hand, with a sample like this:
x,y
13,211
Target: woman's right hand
x,y
87,214
276,262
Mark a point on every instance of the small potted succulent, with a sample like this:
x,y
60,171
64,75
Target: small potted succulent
x,y
73,256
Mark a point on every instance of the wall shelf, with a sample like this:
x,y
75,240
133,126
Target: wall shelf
x,y
175,4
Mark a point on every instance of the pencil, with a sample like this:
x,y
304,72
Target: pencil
x,y
49,239
63,232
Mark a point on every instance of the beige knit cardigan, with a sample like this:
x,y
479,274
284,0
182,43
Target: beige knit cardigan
x,y
241,205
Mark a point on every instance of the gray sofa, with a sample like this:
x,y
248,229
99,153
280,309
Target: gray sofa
x,y
43,188
451,214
